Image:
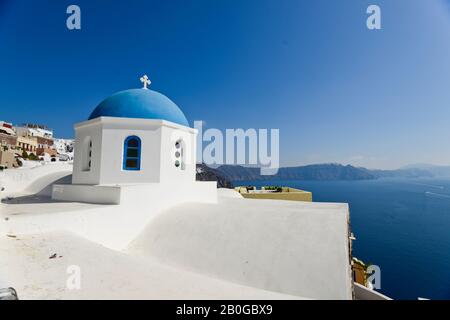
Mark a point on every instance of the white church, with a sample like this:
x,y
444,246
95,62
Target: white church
x,y
131,219
134,140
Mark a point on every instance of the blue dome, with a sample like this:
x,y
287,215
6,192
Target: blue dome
x,y
140,103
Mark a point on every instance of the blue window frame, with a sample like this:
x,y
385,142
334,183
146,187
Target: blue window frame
x,y
132,153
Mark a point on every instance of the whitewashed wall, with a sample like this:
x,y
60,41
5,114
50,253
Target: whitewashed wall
x,y
186,171
158,139
92,130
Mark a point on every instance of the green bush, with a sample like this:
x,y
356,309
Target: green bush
x,y
274,188
33,157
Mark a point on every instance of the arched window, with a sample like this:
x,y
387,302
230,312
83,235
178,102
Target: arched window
x,y
87,155
132,153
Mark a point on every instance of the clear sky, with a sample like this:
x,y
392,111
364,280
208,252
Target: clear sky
x,y
337,91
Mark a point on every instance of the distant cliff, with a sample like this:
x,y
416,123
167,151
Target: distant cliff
x,y
205,173
310,172
402,173
321,172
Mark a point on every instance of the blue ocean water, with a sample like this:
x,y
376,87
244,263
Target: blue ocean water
x,y
403,226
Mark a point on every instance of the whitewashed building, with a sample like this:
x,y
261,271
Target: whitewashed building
x,y
34,130
137,139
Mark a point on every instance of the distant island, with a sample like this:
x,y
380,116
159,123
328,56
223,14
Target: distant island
x,y
320,172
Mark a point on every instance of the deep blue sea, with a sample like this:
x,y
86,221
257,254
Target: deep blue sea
x,y
403,226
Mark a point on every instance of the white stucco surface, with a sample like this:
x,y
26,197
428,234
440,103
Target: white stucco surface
x,y
295,248
113,226
105,274
233,248
33,179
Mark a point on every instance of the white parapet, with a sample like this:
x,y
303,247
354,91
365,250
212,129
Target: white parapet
x,y
162,194
86,193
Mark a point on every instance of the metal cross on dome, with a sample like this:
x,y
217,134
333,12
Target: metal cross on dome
x,y
146,81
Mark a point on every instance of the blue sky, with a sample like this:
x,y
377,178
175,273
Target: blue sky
x,y
337,91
